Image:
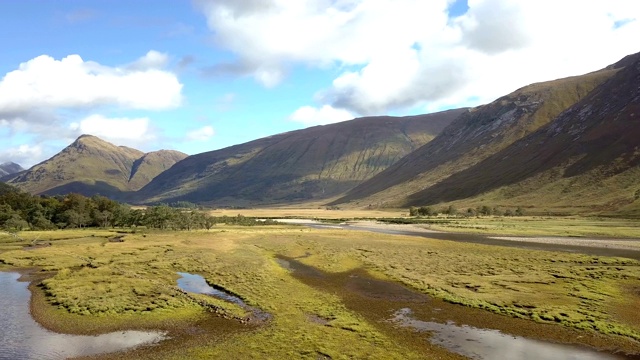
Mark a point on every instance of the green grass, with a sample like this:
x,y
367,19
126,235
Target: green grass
x,y
95,285
574,226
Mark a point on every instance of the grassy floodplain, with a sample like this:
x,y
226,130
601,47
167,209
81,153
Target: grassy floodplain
x,y
543,226
86,284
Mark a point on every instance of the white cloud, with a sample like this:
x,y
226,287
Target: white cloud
x,y
122,131
202,134
152,60
48,100
396,54
46,83
25,155
320,116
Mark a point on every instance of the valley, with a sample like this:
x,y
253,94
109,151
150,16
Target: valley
x,y
321,180
348,286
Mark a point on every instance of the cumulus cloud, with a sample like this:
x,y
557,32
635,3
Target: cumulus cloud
x,y
47,83
46,99
152,60
122,131
326,114
395,54
203,134
25,155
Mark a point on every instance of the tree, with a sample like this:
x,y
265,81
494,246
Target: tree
x,y
103,218
42,223
451,210
159,217
15,222
413,211
484,210
208,221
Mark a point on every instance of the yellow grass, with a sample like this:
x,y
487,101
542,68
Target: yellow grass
x,y
311,213
98,282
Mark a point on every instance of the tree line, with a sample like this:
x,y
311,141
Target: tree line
x,y
22,211
483,210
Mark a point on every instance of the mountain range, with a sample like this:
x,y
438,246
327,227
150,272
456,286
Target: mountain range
x,y
316,163
93,166
567,145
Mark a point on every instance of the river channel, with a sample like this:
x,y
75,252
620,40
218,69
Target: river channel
x,y
480,239
21,337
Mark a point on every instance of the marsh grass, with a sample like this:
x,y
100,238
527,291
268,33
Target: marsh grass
x,y
541,226
93,285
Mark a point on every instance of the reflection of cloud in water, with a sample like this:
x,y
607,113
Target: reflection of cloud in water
x,y
492,344
197,284
22,338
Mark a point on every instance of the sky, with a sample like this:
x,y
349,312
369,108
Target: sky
x,y
202,75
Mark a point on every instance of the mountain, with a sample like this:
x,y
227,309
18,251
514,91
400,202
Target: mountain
x,y
570,144
93,166
314,163
9,168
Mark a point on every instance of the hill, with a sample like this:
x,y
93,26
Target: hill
x,y
310,164
570,143
9,168
93,166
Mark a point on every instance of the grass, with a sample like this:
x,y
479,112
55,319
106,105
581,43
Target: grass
x,y
574,226
321,212
92,285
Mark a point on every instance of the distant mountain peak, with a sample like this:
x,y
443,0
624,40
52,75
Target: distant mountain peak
x,y
91,166
9,168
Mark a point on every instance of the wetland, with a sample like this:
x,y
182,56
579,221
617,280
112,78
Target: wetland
x,y
326,293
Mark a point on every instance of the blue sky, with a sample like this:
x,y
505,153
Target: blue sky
x,y
201,75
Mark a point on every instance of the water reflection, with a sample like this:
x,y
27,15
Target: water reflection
x,y
23,338
197,284
492,344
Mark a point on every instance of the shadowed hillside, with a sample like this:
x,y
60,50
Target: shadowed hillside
x,y
314,163
433,173
588,157
92,166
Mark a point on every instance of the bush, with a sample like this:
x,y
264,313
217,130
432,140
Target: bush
x,y
16,223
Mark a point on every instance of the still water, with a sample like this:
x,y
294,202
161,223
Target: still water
x,y
197,284
23,338
478,343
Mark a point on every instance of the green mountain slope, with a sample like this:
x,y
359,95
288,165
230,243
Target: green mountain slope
x,y
92,166
570,143
309,164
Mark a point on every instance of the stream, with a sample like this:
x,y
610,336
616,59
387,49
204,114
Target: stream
x,y
22,337
472,342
